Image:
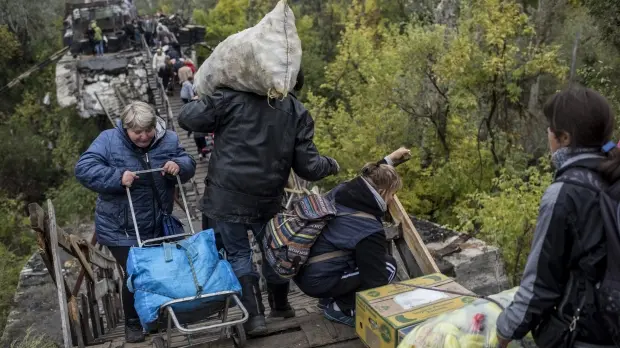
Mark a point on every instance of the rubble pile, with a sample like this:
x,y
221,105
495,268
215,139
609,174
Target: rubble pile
x,y
112,78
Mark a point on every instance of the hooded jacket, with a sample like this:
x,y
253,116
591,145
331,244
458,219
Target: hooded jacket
x,y
159,60
101,168
257,142
363,237
569,233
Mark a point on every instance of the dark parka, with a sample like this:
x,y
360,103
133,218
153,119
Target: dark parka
x,y
101,168
257,142
569,233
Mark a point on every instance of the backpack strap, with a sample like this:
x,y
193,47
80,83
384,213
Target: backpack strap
x,y
339,253
328,256
358,214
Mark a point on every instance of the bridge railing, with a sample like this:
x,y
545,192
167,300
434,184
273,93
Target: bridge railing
x,y
98,285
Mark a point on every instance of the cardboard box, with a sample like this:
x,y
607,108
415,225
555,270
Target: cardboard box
x,y
383,316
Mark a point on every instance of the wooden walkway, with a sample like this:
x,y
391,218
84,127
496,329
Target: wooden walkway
x,y
308,329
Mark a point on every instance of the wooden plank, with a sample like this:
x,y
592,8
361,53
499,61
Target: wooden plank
x,y
104,287
84,316
421,254
401,270
77,251
62,296
80,279
295,339
110,324
100,259
74,318
412,269
316,333
94,310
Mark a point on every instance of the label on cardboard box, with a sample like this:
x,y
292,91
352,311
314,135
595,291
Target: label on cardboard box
x,y
383,314
416,298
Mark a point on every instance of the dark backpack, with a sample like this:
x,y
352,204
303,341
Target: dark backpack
x,y
607,292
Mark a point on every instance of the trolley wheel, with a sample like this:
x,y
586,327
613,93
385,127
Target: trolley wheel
x,y
238,335
158,342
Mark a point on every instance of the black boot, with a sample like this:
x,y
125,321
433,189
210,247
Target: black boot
x,y
253,303
133,331
278,301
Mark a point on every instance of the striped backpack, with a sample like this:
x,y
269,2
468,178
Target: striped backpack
x,y
290,235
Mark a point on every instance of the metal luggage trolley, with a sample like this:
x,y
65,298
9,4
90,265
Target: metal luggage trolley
x,y
206,314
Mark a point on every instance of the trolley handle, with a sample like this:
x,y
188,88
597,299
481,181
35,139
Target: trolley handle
x,y
133,213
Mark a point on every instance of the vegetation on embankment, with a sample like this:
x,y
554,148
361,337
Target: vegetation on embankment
x,y
39,143
464,94
462,87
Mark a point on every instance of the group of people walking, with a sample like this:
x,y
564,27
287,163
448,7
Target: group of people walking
x,y
154,33
256,148
258,143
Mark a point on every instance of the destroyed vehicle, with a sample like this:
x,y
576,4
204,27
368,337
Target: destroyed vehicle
x,y
110,15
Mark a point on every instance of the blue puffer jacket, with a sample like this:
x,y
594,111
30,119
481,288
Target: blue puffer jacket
x,y
101,168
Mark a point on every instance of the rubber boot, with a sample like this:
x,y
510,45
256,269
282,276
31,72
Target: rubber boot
x,y
253,303
133,331
277,294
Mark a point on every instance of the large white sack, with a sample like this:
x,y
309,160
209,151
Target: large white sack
x,y
264,59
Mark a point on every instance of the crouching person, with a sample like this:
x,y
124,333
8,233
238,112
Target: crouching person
x,y
107,167
351,253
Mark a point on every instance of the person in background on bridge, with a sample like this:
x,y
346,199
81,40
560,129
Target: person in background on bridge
x,y
351,254
159,60
187,91
189,63
257,143
137,31
139,141
164,36
97,38
184,72
166,74
149,29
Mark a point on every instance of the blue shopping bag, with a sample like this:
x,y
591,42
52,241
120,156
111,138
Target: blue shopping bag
x,y
187,268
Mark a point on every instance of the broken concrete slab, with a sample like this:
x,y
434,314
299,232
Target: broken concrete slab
x,y
66,82
110,65
474,264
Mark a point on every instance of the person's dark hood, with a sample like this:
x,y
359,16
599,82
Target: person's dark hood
x,y
359,195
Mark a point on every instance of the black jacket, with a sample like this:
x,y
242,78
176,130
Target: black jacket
x,y
362,236
569,232
257,142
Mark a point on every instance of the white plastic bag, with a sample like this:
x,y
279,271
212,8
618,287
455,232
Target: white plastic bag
x,y
472,326
264,59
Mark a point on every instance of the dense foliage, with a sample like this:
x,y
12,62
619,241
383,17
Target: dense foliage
x,y
461,83
462,86
39,143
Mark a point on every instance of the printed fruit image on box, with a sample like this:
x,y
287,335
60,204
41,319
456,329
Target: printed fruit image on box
x,y
384,314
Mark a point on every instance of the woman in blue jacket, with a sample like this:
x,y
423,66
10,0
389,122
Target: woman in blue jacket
x,y
139,141
351,253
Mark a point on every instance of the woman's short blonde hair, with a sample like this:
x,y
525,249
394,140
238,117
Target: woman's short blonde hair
x,y
138,116
382,177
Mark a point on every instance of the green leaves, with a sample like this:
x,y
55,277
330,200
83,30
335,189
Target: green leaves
x,y
456,98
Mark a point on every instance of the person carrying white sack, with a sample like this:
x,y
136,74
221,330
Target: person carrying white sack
x,y
257,143
261,132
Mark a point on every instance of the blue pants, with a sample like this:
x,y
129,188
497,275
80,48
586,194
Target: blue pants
x,y
99,48
237,245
